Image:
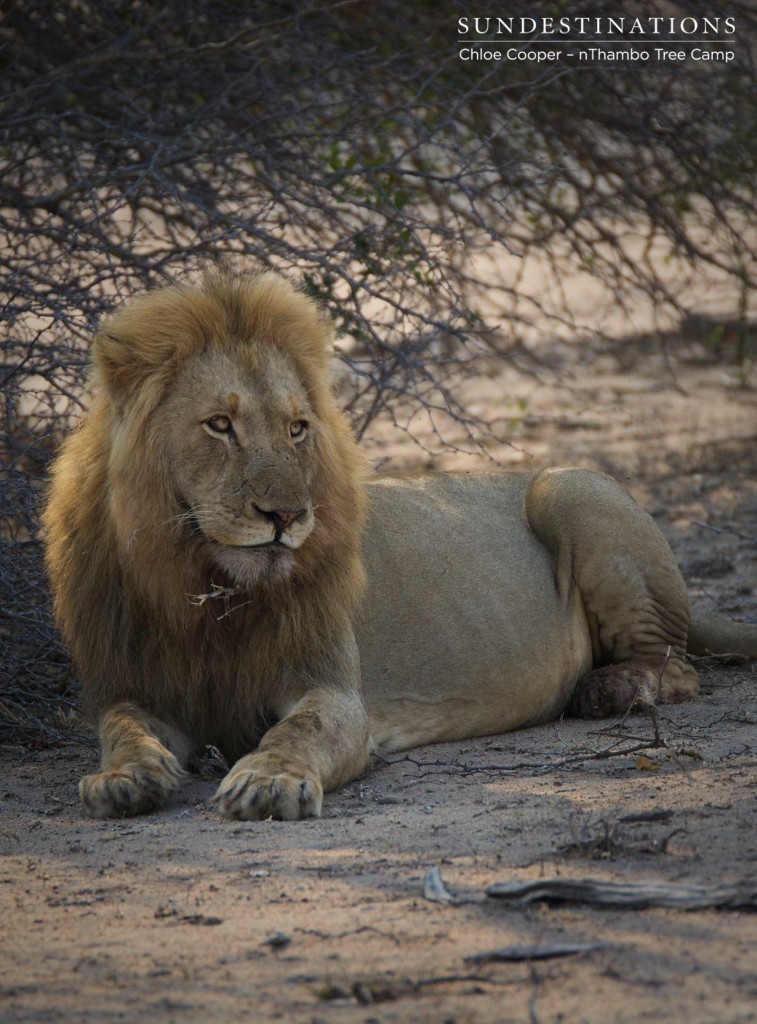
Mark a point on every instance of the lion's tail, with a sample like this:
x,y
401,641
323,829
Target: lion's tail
x,y
711,634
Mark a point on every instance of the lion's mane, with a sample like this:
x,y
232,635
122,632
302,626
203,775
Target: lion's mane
x,y
123,563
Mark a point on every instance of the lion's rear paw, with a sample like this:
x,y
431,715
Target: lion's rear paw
x,y
616,689
132,789
250,794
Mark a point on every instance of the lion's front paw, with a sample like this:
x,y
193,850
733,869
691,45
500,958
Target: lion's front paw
x,y
132,789
251,794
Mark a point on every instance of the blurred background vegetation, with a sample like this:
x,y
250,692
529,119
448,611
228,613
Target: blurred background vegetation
x,y
345,143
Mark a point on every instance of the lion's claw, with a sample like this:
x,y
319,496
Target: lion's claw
x,y
132,789
251,794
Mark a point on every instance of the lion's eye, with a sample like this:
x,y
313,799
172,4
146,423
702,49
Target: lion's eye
x,y
219,424
298,428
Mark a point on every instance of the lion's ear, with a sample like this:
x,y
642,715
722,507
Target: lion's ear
x,y
128,369
137,349
115,362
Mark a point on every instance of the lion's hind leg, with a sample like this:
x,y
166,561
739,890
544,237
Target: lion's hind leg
x,y
140,764
628,580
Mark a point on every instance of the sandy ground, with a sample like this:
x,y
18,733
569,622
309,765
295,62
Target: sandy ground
x,y
181,916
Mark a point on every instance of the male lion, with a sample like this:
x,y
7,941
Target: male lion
x,y
209,533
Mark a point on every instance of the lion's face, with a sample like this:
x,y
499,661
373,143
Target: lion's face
x,y
237,439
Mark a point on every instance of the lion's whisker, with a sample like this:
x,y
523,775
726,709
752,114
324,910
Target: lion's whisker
x,y
206,516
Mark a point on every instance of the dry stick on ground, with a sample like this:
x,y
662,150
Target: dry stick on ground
x,y
549,951
535,979
725,529
377,990
331,936
742,895
458,768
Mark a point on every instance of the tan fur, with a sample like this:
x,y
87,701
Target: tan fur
x,y
208,582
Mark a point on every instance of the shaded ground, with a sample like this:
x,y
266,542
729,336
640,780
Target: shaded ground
x,y
180,916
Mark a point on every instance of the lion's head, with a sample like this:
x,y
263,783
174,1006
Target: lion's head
x,y
223,391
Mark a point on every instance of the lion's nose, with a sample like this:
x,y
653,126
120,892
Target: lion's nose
x,y
282,518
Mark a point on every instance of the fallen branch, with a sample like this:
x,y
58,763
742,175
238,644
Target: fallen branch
x,y
724,529
458,768
639,895
434,888
516,954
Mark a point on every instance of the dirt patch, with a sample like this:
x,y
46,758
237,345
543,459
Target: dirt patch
x,y
180,916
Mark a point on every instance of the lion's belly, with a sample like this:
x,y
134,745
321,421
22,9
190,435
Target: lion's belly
x,y
463,632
